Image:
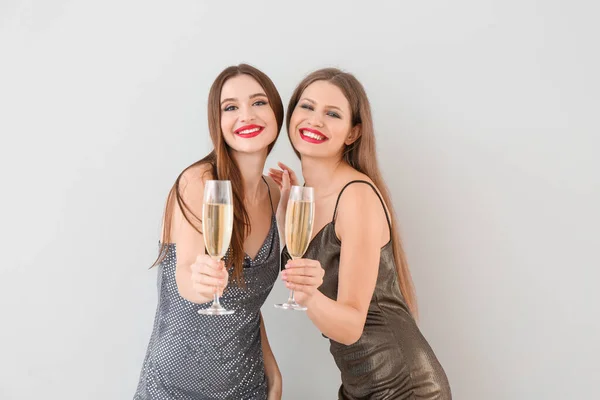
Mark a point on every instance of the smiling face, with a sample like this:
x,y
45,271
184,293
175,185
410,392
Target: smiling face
x,y
321,123
248,122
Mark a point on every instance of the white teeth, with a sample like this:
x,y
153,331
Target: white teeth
x,y
248,131
313,135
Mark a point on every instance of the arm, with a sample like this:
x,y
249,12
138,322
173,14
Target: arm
x,y
284,178
197,275
362,228
274,381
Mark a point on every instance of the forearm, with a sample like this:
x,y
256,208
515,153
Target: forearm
x,y
339,322
272,372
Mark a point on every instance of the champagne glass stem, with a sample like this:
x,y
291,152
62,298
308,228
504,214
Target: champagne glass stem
x,y
216,308
291,304
291,299
216,301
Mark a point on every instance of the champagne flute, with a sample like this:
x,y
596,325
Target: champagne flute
x,y
299,218
217,224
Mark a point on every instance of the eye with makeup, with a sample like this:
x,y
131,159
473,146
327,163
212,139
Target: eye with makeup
x,y
230,107
260,103
307,106
334,114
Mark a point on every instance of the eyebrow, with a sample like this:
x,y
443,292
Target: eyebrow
x,y
314,102
261,94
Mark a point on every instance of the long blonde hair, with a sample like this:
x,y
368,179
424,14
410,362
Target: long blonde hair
x,y
362,156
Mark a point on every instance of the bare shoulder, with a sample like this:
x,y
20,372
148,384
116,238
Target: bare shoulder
x,y
190,188
195,175
354,191
358,195
354,175
184,203
274,189
360,206
360,191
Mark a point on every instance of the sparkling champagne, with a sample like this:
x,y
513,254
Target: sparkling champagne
x,y
217,224
298,226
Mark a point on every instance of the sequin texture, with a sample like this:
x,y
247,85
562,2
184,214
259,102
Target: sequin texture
x,y
392,359
193,356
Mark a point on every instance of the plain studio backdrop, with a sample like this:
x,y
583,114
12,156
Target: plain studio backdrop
x,y
487,134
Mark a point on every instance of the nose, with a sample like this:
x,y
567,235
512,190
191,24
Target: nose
x,y
247,114
315,120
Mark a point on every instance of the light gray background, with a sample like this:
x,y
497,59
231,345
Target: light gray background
x,y
486,115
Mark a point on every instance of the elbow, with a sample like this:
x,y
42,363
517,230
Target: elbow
x,y
187,292
186,297
182,292
192,297
350,330
352,336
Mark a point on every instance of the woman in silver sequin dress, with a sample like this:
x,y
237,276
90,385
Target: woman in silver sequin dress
x,y
354,278
193,356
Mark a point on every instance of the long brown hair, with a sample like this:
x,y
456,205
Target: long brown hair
x,y
362,156
223,167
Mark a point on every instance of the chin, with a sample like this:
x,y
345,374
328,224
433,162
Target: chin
x,y
249,146
308,150
251,149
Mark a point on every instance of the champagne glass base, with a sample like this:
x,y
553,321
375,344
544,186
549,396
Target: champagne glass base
x,y
215,310
291,305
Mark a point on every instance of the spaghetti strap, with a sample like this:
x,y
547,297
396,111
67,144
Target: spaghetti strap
x,y
270,198
387,217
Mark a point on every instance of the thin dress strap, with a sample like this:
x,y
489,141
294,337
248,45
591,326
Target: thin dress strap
x,y
270,198
387,217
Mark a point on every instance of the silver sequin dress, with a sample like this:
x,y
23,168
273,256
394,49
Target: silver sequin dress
x,y
201,357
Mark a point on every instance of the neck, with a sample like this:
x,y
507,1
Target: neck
x,y
319,173
251,167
